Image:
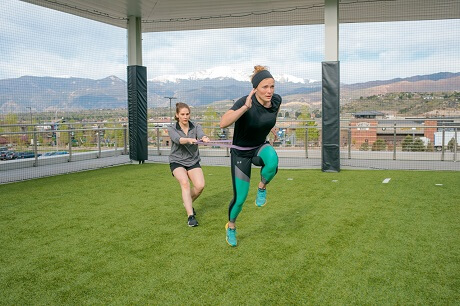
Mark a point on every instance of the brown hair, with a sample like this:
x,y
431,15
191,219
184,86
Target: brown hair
x,y
260,73
180,106
257,69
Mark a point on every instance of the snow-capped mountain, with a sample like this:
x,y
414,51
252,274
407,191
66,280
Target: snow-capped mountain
x,y
198,88
201,88
224,72
219,83
219,73
286,78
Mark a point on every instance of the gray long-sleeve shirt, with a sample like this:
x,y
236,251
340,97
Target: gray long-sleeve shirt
x,y
184,154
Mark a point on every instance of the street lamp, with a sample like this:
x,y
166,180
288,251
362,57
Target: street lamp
x,y
30,110
34,139
170,113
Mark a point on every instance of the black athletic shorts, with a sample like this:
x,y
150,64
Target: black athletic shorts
x,y
173,166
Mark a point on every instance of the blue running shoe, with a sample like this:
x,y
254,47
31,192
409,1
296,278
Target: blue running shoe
x,y
261,198
230,235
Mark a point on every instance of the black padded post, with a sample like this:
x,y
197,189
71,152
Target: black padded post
x,y
137,113
330,152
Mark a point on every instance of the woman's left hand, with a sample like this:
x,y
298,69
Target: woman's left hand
x,y
205,139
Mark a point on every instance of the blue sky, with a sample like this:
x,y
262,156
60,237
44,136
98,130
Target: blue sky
x,y
42,42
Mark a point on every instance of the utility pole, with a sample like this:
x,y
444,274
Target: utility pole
x,y
30,111
33,128
170,112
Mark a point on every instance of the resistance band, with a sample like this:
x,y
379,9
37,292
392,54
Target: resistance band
x,y
225,143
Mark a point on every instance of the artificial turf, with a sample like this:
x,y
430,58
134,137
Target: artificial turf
x,y
119,236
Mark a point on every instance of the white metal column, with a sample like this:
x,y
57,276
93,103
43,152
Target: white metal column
x,y
331,22
134,41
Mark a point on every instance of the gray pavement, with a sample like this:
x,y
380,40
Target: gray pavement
x,y
21,174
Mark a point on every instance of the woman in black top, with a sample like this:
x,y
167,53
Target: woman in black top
x,y
254,116
184,159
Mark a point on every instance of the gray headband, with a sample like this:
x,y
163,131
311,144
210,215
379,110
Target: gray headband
x,y
262,75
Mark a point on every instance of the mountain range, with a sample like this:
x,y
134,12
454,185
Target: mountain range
x,y
197,89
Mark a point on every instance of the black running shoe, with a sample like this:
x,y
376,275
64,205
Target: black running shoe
x,y
192,222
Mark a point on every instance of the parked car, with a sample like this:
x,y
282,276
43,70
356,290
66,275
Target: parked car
x,y
3,155
28,154
52,153
11,155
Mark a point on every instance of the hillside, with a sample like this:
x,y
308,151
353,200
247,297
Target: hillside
x,y
408,103
41,94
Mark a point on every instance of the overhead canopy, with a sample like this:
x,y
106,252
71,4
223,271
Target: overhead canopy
x,y
178,15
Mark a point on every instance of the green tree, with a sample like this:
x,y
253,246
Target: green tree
x,y
430,147
80,136
407,143
418,145
317,113
313,132
364,147
119,137
450,144
13,120
64,136
303,116
210,122
116,136
379,145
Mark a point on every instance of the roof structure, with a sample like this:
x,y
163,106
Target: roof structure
x,y
178,15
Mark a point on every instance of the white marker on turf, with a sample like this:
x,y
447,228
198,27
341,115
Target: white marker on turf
x,y
385,181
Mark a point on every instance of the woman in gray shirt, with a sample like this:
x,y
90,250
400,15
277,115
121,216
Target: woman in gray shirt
x,y
184,159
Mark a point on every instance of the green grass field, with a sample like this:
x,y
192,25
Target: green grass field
x,y
119,236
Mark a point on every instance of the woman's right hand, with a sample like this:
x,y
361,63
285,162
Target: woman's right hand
x,y
248,102
232,115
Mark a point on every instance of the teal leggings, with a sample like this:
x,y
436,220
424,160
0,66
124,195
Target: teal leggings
x,y
265,157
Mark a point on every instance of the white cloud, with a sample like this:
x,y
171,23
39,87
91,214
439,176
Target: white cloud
x,y
279,48
381,51
365,70
42,42
47,64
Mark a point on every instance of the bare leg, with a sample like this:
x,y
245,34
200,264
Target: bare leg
x,y
181,176
197,177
